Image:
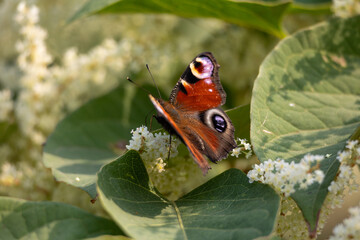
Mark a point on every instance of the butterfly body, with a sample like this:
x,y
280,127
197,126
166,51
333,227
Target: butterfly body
x,y
193,112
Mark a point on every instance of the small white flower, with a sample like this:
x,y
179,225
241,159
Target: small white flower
x,y
160,165
247,146
343,155
351,144
280,164
236,152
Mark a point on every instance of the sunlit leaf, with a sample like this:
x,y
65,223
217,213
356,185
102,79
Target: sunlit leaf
x,y
226,207
306,99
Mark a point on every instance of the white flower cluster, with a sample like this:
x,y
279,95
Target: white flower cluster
x,y
34,57
346,177
287,177
350,228
346,8
6,105
243,147
153,148
47,90
33,61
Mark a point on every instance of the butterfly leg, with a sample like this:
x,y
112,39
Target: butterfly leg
x,y
151,119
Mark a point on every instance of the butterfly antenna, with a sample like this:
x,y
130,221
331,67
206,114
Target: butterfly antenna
x,y
138,85
147,66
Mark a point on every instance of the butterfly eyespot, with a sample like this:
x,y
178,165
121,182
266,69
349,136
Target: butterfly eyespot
x,y
219,123
202,67
216,119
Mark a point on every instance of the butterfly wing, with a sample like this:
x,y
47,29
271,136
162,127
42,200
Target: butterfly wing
x,y
216,131
199,87
170,119
199,131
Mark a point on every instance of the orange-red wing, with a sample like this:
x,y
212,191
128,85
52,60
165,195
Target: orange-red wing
x,y
200,96
197,155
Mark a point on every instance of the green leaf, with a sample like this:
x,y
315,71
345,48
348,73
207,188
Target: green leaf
x,y
94,135
226,207
307,99
311,7
312,4
20,219
262,15
240,117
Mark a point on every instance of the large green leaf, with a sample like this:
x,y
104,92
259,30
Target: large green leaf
x,y
21,219
226,207
307,99
262,15
90,137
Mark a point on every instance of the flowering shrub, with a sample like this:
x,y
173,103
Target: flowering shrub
x,y
304,129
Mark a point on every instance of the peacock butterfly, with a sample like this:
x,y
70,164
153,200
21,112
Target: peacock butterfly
x,y
193,112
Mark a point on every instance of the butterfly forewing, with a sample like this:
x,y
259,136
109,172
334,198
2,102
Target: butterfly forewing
x,y
199,87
